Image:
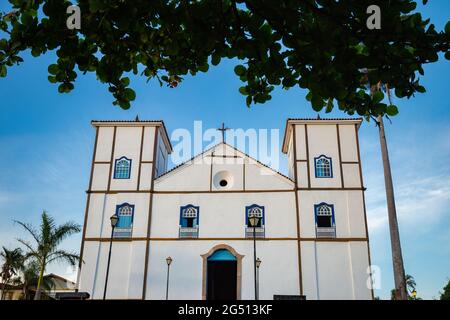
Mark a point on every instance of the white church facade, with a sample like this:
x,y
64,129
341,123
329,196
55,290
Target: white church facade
x,y
311,233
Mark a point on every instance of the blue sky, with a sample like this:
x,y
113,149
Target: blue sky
x,y
46,146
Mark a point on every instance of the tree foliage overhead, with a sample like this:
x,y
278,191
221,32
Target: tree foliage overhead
x,y
446,294
320,45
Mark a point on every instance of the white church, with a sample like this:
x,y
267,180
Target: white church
x,y
205,228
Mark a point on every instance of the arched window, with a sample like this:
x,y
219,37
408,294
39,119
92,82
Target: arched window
x,y
189,218
323,167
122,168
325,223
124,227
258,212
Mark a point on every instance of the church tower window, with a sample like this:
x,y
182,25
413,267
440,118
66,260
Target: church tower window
x,y
189,218
254,211
323,167
122,168
325,223
124,227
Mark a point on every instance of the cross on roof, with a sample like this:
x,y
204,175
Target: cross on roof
x,y
223,129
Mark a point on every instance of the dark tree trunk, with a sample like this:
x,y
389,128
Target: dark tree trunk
x,y
397,259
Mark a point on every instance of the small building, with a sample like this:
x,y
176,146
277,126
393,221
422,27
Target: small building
x,y
55,286
59,285
10,292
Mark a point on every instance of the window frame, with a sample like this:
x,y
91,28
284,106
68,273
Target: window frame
x,y
322,156
129,167
247,210
321,231
182,208
316,209
119,229
185,232
259,232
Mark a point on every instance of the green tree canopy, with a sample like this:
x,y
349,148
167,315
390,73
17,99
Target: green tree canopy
x,y
324,46
445,295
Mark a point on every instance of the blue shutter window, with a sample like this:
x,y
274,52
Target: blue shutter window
x,y
189,219
323,167
324,218
124,227
122,168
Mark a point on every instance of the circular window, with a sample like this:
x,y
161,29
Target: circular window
x,y
223,180
223,183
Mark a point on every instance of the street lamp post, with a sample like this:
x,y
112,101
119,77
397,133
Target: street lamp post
x,y
168,261
258,264
114,219
253,220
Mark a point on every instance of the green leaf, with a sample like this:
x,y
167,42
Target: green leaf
x,y
377,97
447,55
391,110
204,67
317,103
53,69
130,95
125,81
421,89
62,88
125,105
3,44
3,71
215,59
240,70
447,28
243,91
329,106
248,101
289,82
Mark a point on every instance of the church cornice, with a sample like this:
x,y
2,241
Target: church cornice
x,y
134,123
318,121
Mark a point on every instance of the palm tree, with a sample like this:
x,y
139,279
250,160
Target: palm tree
x,y
30,277
13,261
47,239
397,256
400,291
410,283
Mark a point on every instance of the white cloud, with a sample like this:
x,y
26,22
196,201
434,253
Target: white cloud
x,y
7,197
423,201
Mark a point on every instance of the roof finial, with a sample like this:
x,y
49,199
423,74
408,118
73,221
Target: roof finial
x,y
137,118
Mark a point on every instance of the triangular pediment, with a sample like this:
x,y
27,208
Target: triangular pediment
x,y
199,173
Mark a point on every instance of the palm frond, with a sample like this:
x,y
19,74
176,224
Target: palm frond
x,y
62,255
30,230
47,225
32,252
63,231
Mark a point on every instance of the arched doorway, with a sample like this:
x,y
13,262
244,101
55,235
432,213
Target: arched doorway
x,y
222,274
